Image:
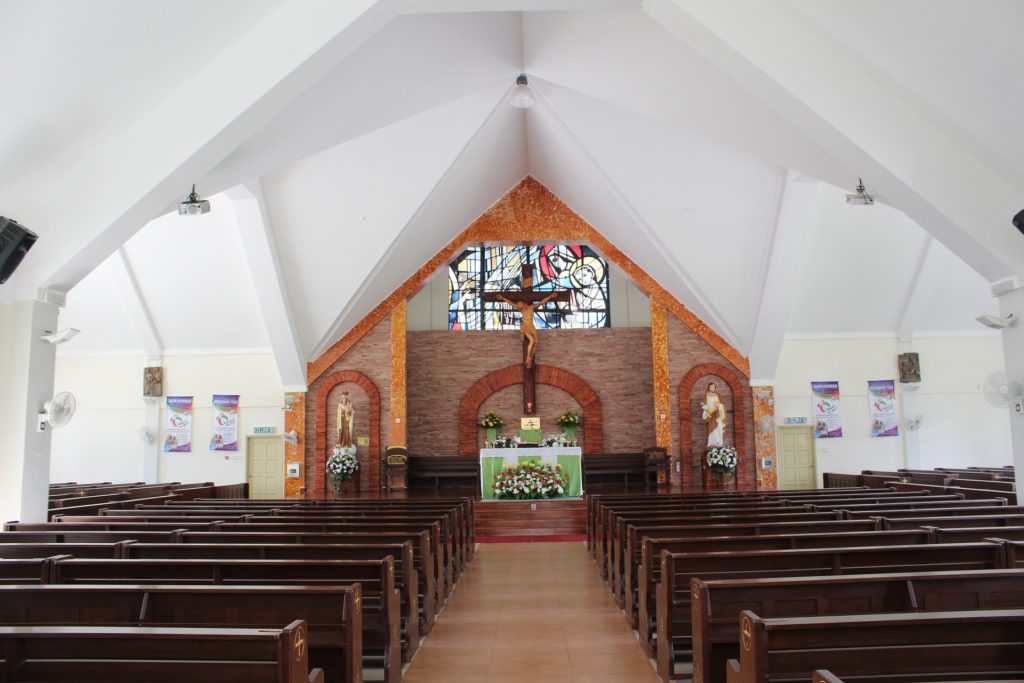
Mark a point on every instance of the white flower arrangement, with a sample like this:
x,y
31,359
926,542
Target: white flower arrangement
x,y
556,440
721,459
342,464
502,441
530,480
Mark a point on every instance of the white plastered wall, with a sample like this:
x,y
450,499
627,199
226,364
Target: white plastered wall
x,y
101,442
7,449
959,427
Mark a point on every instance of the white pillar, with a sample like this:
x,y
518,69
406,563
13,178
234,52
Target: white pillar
x,y
908,404
1013,356
24,450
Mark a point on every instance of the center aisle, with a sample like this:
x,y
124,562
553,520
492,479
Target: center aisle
x,y
534,612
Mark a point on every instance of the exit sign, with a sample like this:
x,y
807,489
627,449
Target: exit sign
x,y
264,430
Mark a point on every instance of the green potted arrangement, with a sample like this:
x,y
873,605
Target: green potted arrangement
x,y
569,421
491,422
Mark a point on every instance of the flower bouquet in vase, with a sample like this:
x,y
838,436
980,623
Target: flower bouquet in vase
x,y
569,421
721,462
491,422
341,467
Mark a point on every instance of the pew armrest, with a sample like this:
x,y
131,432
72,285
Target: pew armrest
x,y
732,671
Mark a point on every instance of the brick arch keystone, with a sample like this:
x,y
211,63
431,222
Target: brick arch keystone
x,y
568,382
319,485
739,425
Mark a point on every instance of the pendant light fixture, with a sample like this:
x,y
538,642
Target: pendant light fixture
x,y
522,97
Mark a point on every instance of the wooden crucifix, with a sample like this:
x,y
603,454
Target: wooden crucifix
x,y
527,301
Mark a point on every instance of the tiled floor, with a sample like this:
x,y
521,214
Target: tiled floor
x,y
531,612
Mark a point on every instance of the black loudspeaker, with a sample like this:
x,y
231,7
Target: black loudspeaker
x,y
1018,221
15,241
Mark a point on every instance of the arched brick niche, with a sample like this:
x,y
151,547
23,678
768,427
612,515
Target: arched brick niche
x,y
590,404
317,480
696,380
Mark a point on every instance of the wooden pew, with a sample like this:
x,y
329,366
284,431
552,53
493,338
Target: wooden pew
x,y
716,605
644,607
423,550
975,534
31,570
416,622
98,551
425,468
333,613
961,646
78,535
602,465
894,523
381,601
106,654
678,569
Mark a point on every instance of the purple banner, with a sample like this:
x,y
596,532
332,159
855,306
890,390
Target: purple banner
x,y
882,397
225,423
827,423
178,429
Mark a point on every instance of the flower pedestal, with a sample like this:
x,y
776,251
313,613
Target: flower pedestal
x,y
570,432
339,487
720,481
492,434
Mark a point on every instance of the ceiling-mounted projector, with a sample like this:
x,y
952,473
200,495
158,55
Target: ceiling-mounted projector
x,y
997,322
861,198
193,206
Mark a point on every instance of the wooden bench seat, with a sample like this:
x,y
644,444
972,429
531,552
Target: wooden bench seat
x,y
604,466
958,646
381,603
420,621
424,469
423,553
643,606
109,551
716,605
59,654
333,613
678,569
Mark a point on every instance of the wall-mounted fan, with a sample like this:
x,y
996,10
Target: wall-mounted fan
x,y
291,437
914,423
146,436
1001,390
58,411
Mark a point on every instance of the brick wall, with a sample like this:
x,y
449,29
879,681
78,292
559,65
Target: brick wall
x,y
443,366
370,356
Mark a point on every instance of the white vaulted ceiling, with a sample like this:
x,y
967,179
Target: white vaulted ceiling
x,y
374,133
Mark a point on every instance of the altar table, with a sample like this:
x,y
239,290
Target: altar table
x,y
493,459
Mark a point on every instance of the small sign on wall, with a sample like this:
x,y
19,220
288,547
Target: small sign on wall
x,y
294,470
264,430
795,421
362,441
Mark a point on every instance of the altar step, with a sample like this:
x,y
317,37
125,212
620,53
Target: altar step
x,y
530,518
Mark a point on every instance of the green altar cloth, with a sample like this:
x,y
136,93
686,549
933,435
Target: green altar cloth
x,y
493,459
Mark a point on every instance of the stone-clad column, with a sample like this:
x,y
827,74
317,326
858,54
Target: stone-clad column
x,y
398,435
295,421
659,362
764,436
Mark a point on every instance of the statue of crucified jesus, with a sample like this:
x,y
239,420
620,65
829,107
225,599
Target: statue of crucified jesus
x,y
527,328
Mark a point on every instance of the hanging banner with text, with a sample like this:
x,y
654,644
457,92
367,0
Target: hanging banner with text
x,y
827,424
882,397
179,425
224,435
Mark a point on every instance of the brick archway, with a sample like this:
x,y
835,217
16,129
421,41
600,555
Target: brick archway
x,y
572,384
318,483
739,425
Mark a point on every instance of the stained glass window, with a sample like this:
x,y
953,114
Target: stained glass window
x,y
575,268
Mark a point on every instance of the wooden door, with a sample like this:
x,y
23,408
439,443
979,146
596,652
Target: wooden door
x,y
265,467
796,458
